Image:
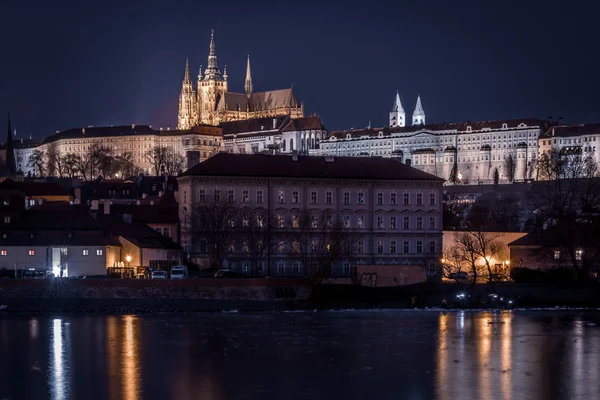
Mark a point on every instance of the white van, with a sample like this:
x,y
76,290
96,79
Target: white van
x,y
179,272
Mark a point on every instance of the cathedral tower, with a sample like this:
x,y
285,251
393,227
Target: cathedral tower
x,y
419,114
397,115
211,88
248,85
188,106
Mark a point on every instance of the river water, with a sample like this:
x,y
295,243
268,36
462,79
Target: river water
x,y
302,355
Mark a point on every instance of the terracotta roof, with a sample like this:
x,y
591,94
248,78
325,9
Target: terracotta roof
x,y
572,130
35,188
304,124
450,126
284,166
255,125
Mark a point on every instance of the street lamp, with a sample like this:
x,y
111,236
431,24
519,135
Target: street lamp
x,y
128,258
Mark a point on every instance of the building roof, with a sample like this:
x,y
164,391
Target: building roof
x,y
572,130
101,131
284,166
196,130
57,237
35,188
151,210
304,124
255,125
524,123
136,232
271,100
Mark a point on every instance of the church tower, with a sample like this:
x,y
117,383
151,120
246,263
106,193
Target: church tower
x,y
211,87
248,85
397,115
419,114
188,106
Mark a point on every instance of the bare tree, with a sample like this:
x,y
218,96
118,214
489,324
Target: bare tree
x,y
69,163
254,234
37,160
124,165
478,249
510,168
54,162
212,223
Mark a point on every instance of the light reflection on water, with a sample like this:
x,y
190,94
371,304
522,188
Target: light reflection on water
x,y
362,354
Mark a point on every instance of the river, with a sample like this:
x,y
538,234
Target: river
x,y
370,355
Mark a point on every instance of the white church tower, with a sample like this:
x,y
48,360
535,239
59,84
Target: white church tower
x,y
397,115
419,114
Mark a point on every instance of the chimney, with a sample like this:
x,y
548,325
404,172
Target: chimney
x,y
144,195
95,205
127,218
106,207
274,123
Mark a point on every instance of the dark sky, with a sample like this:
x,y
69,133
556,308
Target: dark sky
x,y
69,64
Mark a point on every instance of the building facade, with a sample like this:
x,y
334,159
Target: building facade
x,y
582,140
473,149
212,102
387,212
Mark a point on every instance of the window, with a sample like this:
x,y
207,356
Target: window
x,y
346,269
406,199
393,199
259,196
280,221
361,222
99,252
313,197
380,222
280,267
281,197
328,198
419,246
346,198
432,199
380,247
393,246
3,252
85,252
557,254
361,198
392,222
7,219
245,196
578,254
202,195
313,222
245,221
31,252
260,222
419,222
432,247
203,246
406,224
295,197
295,221
296,267
281,247
406,247
431,222
217,195
419,199
379,198
230,196
346,219
361,247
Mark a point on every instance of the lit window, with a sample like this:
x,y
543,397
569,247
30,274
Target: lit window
x,y
295,197
361,222
99,252
379,198
346,219
557,254
85,252
313,197
361,198
578,255
32,252
392,222
393,247
3,252
259,196
281,197
295,221
245,196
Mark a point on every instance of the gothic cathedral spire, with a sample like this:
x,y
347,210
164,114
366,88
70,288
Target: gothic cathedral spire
x,y
11,167
248,85
419,114
397,115
211,88
188,106
212,70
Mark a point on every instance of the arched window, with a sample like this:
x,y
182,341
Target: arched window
x,y
283,145
291,144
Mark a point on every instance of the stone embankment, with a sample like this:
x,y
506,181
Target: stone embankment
x,y
115,295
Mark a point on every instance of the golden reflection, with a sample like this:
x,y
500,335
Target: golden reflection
x,y
112,352
442,356
130,362
505,354
484,345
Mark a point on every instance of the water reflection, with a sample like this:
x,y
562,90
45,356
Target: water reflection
x,y
130,361
59,369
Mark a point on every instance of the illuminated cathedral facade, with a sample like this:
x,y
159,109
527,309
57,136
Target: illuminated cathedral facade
x,y
212,103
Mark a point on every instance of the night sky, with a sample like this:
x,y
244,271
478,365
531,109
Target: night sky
x,y
69,64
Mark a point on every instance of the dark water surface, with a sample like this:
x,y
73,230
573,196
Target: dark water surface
x,y
305,355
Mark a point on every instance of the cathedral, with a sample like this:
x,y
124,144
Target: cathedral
x,y
211,103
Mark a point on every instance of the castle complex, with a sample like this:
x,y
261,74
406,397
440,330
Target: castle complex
x,y
212,103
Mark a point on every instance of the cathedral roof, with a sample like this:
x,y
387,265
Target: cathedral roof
x,y
285,166
274,99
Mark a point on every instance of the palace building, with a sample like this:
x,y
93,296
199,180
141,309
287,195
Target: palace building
x,y
212,102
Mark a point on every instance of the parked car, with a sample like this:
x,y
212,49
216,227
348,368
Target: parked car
x,y
227,273
179,272
159,274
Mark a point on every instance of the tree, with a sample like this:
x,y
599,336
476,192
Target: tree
x,y
510,168
212,223
69,163
55,162
454,172
454,213
253,233
478,249
494,212
318,241
124,165
37,160
164,160
101,160
496,176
